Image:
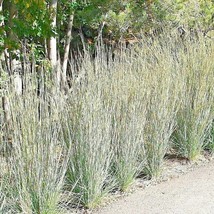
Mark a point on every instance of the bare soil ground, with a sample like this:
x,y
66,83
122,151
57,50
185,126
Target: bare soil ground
x,y
174,193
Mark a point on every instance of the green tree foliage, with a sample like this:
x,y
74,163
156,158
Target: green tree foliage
x,y
25,19
30,20
193,14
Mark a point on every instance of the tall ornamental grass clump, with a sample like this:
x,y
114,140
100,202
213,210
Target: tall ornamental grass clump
x,y
209,141
38,155
128,96
8,193
3,202
90,122
2,199
122,111
163,85
195,115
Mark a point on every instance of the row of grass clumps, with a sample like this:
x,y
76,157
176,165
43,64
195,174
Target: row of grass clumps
x,y
118,121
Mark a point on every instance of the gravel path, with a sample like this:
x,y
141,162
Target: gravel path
x,y
192,193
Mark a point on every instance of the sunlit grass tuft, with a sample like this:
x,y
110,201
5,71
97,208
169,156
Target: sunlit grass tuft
x,y
195,115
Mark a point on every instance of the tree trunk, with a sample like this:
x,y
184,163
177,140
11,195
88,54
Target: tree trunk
x,y
53,43
67,48
5,103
